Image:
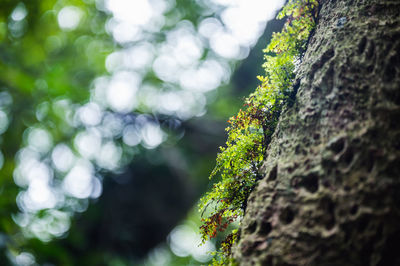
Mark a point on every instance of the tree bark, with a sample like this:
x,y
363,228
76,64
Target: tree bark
x,y
331,188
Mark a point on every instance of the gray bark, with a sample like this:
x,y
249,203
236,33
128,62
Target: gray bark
x,y
331,191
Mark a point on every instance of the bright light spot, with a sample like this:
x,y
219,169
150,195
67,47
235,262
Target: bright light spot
x,y
97,188
124,32
159,256
225,45
139,56
79,181
69,17
152,135
184,241
186,47
137,12
114,61
224,2
131,136
5,99
99,91
166,68
121,92
42,110
109,156
88,143
209,27
25,259
51,223
39,196
170,102
40,140
62,157
19,13
207,77
90,114
57,222
26,160
3,122
30,169
112,125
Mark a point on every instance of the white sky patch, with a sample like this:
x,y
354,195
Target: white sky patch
x,y
69,18
79,181
131,17
121,91
137,12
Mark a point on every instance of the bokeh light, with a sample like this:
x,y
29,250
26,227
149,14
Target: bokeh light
x,y
149,68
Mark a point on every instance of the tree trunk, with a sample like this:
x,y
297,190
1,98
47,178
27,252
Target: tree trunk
x,y
331,191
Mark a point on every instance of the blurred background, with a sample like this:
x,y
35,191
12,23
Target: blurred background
x,y
111,115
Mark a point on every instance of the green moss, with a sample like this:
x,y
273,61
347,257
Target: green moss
x,y
249,133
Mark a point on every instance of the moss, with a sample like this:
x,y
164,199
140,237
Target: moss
x,y
249,133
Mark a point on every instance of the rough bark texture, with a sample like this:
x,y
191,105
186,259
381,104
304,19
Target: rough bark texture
x,y
331,192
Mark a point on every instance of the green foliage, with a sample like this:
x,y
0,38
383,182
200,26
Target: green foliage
x,y
249,133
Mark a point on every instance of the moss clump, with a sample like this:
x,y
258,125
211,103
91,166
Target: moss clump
x,y
249,133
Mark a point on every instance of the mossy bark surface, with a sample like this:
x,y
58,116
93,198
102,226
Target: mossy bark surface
x,y
331,188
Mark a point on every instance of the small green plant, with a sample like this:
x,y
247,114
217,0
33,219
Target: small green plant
x,y
250,132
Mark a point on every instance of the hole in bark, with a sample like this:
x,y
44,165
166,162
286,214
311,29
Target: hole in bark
x,y
371,50
393,96
389,73
268,260
362,44
292,96
265,228
390,254
370,68
363,223
369,162
287,215
354,209
337,145
328,206
348,156
393,169
273,174
310,183
251,228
